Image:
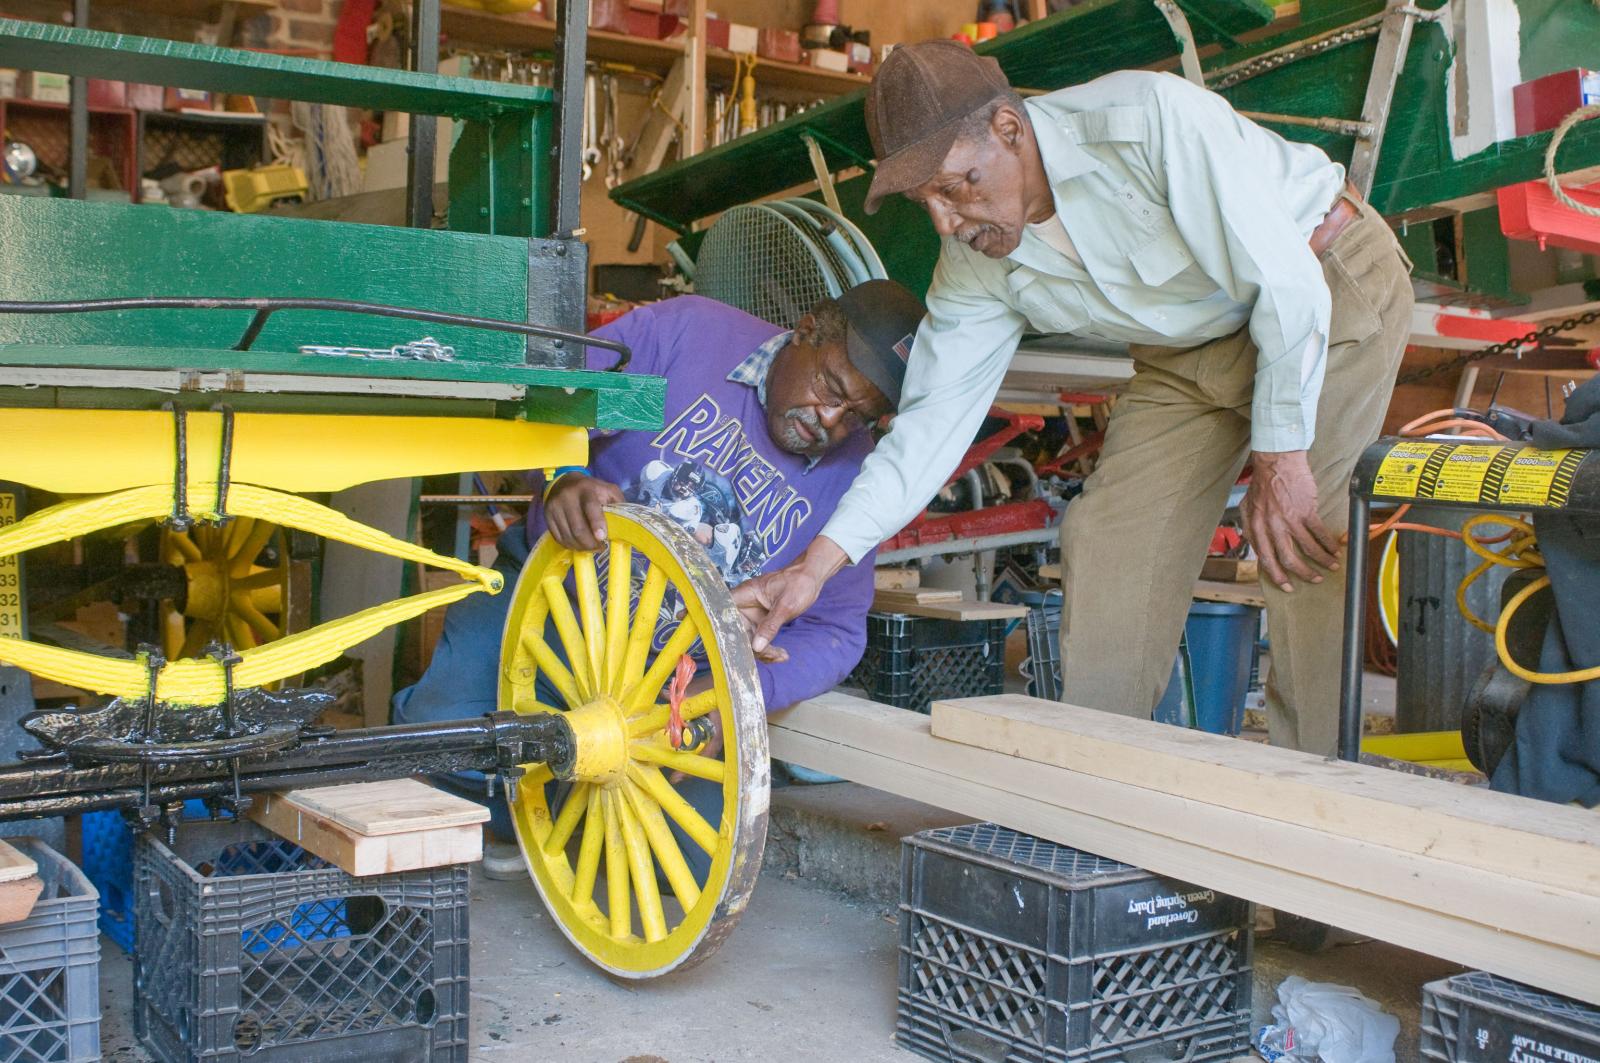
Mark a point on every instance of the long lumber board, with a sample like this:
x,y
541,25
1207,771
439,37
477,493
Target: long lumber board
x,y
1496,920
1554,845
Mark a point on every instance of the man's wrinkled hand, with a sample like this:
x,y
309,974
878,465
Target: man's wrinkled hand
x,y
575,510
770,601
1282,522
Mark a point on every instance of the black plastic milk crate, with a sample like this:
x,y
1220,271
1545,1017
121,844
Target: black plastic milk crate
x,y
912,661
1481,1018
1018,950
251,948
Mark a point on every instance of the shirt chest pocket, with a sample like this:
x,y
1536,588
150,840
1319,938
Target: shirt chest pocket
x,y
1049,305
1161,258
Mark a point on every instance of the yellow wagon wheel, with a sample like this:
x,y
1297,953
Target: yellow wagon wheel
x,y
599,847
230,598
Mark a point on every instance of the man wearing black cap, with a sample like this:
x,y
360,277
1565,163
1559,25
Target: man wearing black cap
x,y
1266,307
765,428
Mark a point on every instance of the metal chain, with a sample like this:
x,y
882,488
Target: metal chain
x,y
1505,347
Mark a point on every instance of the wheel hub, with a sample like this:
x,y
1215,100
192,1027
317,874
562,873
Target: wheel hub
x,y
600,742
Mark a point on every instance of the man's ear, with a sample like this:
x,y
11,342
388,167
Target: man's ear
x,y
1008,126
805,330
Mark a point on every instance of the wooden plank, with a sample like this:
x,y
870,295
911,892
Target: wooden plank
x,y
361,855
1233,593
1499,922
1555,845
955,609
15,864
394,806
1229,570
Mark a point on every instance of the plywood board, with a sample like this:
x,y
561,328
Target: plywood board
x,y
1234,593
1499,921
1229,570
888,600
18,897
955,609
893,579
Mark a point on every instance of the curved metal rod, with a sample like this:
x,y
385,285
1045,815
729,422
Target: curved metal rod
x,y
265,307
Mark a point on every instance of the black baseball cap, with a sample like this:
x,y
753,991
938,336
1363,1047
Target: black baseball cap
x,y
883,317
915,106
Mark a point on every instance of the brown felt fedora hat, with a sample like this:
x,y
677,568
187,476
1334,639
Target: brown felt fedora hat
x,y
915,107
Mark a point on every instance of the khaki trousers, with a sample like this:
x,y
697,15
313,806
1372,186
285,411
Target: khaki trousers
x,y
1133,544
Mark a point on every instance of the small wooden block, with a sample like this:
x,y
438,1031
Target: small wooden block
x,y
395,806
18,896
377,828
1229,570
892,579
1051,570
15,864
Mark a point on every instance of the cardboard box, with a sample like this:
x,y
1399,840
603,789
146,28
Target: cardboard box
x,y
743,39
778,44
649,24
104,93
611,15
860,56
716,32
828,59
44,87
187,99
1542,103
146,97
8,83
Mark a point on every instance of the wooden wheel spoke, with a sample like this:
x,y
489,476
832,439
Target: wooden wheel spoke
x,y
644,627
255,581
571,637
655,720
618,901
568,818
594,838
239,633
645,693
651,916
249,546
688,763
674,804
179,543
619,591
554,670
264,629
665,846
195,640
592,612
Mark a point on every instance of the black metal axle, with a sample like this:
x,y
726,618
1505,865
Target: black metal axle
x,y
493,744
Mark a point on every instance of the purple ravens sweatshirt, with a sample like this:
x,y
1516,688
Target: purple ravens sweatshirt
x,y
715,470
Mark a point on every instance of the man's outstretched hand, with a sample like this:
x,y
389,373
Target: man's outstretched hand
x,y
1281,520
575,510
772,600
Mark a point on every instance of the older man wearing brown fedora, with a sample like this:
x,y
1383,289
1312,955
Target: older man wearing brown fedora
x,y
1266,307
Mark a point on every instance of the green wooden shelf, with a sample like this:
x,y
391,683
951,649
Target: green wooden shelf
x,y
95,53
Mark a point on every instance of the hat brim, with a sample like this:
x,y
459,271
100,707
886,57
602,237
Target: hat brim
x,y
911,166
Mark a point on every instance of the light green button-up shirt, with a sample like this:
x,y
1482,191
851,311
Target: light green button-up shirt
x,y
1190,223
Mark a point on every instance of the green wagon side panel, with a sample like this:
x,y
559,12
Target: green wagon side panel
x,y
95,53
65,249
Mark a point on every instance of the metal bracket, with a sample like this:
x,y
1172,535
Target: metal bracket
x,y
558,273
1394,39
1179,22
819,166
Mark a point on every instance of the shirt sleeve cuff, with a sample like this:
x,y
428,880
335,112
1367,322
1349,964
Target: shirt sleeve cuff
x,y
856,536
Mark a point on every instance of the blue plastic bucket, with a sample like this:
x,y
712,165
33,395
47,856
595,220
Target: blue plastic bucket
x,y
1221,640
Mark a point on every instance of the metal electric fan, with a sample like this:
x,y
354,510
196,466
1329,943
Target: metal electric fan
x,y
777,260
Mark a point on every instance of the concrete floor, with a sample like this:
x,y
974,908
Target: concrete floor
x,y
809,975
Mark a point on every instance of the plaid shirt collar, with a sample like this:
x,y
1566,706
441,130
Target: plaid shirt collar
x,y
752,372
